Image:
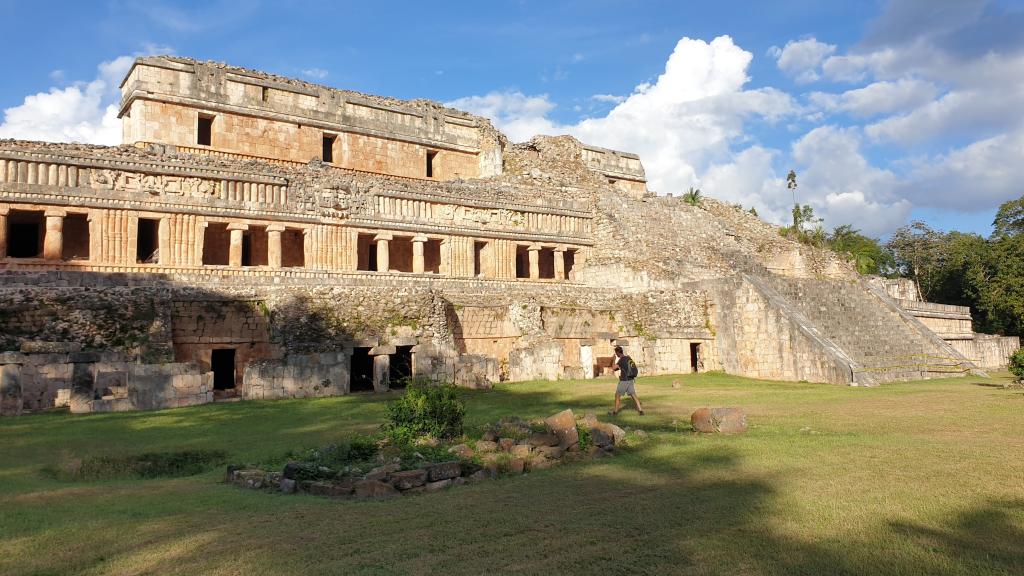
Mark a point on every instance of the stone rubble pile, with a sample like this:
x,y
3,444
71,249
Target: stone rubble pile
x,y
511,446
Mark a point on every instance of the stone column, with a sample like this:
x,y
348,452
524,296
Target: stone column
x,y
53,241
383,252
274,245
560,263
163,241
3,231
534,261
10,384
235,251
418,243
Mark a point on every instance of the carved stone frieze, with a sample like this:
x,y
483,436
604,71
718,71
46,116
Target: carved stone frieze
x,y
154,184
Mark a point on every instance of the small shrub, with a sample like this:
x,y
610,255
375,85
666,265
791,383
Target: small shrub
x,y
426,408
585,440
1017,364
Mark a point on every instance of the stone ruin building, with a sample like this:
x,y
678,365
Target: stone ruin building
x,y
261,237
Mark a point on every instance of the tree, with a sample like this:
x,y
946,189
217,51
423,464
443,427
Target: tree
x,y
791,184
868,254
692,196
1009,219
915,249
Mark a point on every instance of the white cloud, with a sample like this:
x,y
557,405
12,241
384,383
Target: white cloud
x,y
612,98
82,112
520,116
802,58
843,187
681,124
318,73
878,98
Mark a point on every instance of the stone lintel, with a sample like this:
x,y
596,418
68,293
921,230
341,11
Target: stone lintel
x,y
55,213
420,238
237,226
381,350
605,335
275,228
383,236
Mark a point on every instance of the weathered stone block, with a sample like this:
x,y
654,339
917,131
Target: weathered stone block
x,y
374,489
563,425
721,420
409,479
443,471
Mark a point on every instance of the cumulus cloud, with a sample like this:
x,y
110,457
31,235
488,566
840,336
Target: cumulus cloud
x,y
82,112
801,59
519,116
878,98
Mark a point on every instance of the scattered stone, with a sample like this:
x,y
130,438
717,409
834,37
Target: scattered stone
x,y
409,479
677,384
641,434
444,471
331,489
563,425
617,434
480,475
600,438
374,489
543,439
253,478
458,481
720,420
380,473
489,436
287,485
439,485
516,466
551,452
521,451
539,462
486,446
589,419
506,444
462,451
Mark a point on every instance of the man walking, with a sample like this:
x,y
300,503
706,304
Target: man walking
x,y
627,381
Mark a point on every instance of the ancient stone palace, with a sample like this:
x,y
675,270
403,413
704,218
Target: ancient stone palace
x,y
261,237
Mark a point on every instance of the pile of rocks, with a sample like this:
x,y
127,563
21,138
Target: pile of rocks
x,y
511,446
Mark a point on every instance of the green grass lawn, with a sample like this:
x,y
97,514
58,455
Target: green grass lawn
x,y
915,478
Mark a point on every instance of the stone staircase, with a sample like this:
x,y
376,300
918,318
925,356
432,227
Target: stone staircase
x,y
886,343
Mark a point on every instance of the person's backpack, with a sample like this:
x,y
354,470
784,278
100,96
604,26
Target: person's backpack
x,y
633,371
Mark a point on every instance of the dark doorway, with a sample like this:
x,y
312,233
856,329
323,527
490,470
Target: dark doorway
x,y
293,249
328,148
431,155
216,242
522,261
147,241
546,263
478,258
569,261
366,249
76,237
25,234
222,363
361,374
401,366
204,131
695,357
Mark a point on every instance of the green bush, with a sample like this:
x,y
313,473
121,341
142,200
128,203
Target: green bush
x,y
1017,364
586,439
426,408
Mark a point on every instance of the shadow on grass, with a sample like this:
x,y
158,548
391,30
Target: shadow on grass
x,y
666,507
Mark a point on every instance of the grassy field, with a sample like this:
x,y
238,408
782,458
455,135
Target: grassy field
x,y
915,478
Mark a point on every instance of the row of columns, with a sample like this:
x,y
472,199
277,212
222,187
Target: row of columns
x,y
53,241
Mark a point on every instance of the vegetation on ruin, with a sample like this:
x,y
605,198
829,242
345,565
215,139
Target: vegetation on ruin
x,y
426,409
910,479
1017,364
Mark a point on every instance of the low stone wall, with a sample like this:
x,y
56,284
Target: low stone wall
x,y
298,376
987,351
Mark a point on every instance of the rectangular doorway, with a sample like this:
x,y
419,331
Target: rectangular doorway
x,y
222,363
360,377
401,367
695,362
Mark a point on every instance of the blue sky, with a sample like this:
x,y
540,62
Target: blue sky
x,y
888,110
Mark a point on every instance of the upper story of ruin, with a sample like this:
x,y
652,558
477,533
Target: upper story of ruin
x,y
214,109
